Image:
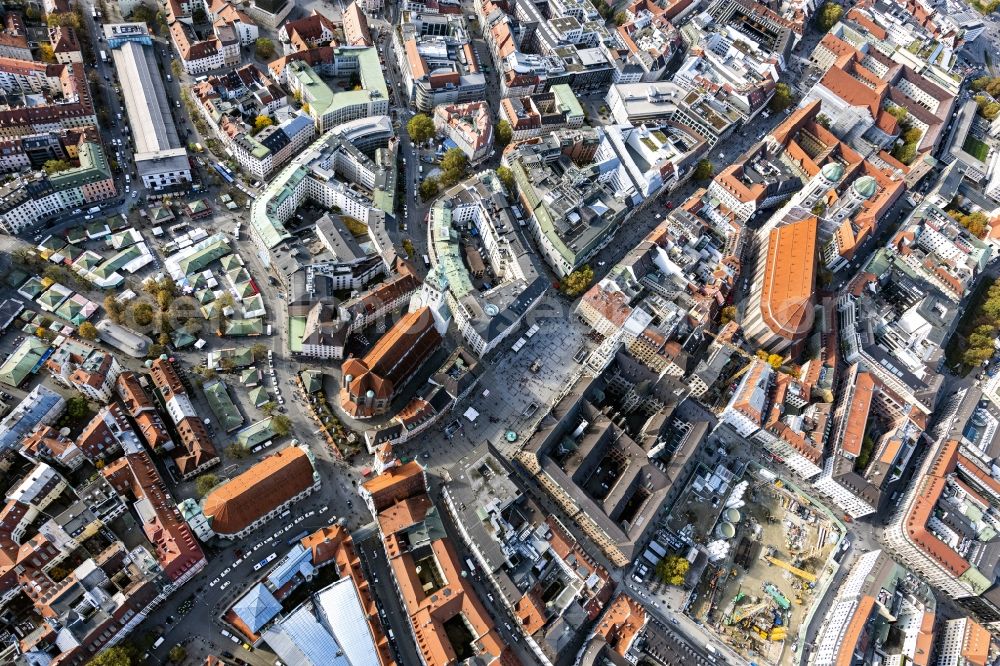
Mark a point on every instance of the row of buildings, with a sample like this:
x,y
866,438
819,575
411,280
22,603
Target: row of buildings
x,y
54,120
105,592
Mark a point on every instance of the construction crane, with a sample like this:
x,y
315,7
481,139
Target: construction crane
x,y
804,575
739,373
729,345
749,610
736,350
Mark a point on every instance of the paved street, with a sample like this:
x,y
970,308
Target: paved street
x,y
509,397
515,391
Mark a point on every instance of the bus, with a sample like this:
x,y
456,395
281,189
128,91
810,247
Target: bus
x,y
427,261
264,562
93,13
104,56
225,173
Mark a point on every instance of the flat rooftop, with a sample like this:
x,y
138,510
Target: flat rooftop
x,y
146,99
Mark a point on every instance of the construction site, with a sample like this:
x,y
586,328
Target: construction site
x,y
771,547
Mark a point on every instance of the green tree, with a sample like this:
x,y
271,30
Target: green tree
x,y
281,425
985,330
28,259
980,83
237,451
259,351
672,569
118,655
55,166
177,654
429,188
976,223
260,122
577,282
115,310
269,407
46,53
144,13
913,135
58,573
976,355
150,286
989,84
506,177
420,128
991,308
76,407
782,98
703,170
454,166
503,134
164,299
87,331
728,314
980,340
904,152
198,14
142,313
204,484
865,455
264,48
70,19
225,300
408,248
620,18
828,15
898,112
988,108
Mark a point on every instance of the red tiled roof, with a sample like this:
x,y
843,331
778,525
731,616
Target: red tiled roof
x,y
786,301
390,363
621,623
267,485
927,497
852,91
857,414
